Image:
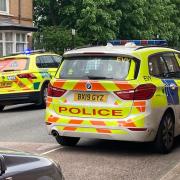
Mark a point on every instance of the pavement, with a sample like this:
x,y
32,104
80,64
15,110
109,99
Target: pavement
x,y
22,127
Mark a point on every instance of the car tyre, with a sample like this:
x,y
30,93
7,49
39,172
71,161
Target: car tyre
x,y
165,136
43,96
67,141
1,108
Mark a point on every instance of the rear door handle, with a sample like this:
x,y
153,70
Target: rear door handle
x,y
173,86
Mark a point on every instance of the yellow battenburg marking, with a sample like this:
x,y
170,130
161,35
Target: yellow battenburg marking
x,y
109,86
119,132
139,121
64,100
60,128
111,123
69,85
86,123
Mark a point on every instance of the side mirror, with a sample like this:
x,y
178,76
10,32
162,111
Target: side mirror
x,y
3,167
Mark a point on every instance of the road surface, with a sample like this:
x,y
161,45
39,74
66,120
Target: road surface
x,y
22,127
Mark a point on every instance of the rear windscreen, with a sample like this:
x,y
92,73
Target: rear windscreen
x,y
112,68
13,65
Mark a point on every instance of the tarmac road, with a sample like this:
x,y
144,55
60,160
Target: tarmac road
x,y
22,127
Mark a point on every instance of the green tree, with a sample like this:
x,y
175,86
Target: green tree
x,y
176,19
145,19
98,21
94,20
55,39
102,20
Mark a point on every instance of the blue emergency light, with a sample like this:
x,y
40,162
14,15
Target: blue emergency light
x,y
140,42
27,52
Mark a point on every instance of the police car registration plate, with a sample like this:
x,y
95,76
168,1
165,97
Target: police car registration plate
x,y
90,97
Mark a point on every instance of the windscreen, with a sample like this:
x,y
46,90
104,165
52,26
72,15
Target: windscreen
x,y
13,65
112,68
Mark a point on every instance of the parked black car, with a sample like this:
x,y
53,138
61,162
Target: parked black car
x,y
23,166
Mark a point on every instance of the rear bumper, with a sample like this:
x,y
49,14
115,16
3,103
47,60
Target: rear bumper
x,y
113,129
121,134
17,98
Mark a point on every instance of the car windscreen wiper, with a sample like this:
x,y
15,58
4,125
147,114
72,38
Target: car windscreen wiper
x,y
99,77
10,70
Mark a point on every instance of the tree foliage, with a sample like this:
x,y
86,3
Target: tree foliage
x,y
99,21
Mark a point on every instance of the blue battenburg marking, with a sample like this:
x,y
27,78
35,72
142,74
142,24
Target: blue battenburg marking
x,y
172,95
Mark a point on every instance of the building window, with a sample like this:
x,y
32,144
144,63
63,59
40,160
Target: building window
x,y
20,42
1,44
12,42
9,42
4,6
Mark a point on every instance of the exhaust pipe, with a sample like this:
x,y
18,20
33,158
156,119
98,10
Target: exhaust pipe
x,y
55,133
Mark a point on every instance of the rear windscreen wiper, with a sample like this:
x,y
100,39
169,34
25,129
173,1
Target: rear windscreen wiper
x,y
98,77
9,70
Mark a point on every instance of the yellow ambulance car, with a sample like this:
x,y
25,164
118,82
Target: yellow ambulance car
x,y
24,78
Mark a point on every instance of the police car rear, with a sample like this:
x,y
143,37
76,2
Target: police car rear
x,y
96,94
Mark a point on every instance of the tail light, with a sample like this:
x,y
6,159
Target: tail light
x,y
27,76
142,92
55,92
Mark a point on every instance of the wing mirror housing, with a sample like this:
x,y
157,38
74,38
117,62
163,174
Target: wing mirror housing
x,y
3,167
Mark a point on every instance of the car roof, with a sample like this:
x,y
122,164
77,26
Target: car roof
x,y
101,49
115,50
26,56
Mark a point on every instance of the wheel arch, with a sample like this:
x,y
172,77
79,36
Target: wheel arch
x,y
46,82
170,110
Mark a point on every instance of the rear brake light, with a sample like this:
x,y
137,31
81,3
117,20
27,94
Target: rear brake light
x,y
142,92
27,76
55,92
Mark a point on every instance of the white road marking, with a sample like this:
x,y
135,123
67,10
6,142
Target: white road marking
x,y
52,150
174,173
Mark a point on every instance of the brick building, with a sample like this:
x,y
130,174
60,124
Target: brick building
x,y
16,25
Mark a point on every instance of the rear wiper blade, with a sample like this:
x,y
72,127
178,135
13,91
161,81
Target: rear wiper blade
x,y
98,77
10,70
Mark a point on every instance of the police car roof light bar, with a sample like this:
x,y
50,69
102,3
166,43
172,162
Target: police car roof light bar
x,y
140,42
28,51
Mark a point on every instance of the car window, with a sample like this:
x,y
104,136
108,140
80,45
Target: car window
x,y
46,62
171,62
116,68
14,64
58,59
157,66
164,66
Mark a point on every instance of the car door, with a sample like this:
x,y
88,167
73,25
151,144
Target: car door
x,y
165,67
50,64
46,65
172,81
177,79
172,78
